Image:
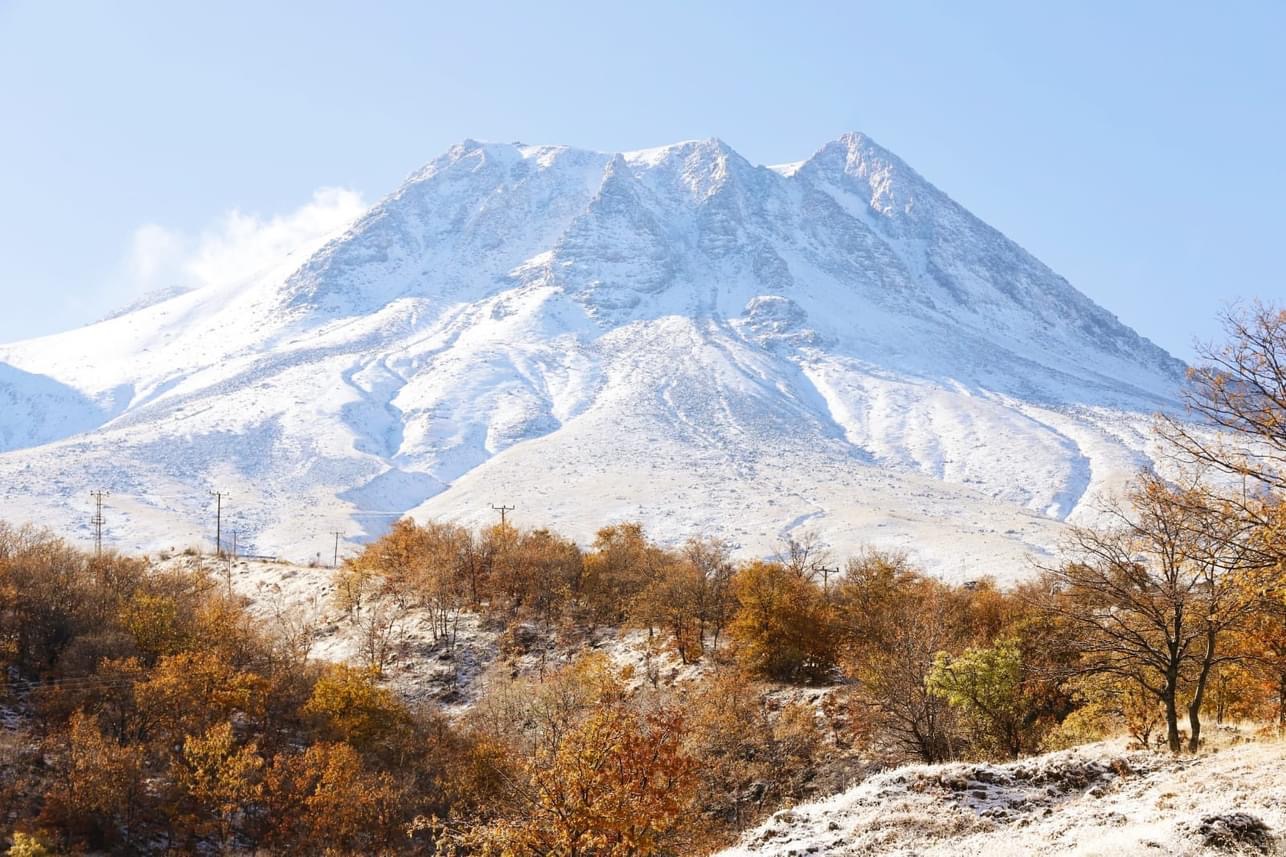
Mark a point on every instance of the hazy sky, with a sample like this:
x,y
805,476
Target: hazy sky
x,y
1137,148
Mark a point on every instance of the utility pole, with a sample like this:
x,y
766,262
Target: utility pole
x,y
335,562
218,522
97,520
826,576
502,509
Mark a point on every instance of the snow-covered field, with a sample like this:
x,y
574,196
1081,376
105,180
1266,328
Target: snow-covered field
x,y
1098,800
673,335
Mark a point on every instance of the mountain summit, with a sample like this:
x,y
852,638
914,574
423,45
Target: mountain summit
x,y
673,335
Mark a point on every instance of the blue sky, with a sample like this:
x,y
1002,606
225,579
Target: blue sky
x,y
1134,147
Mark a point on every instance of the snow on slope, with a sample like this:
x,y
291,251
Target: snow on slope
x,y
1096,800
674,335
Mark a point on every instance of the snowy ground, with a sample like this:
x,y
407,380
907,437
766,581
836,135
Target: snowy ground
x,y
1096,800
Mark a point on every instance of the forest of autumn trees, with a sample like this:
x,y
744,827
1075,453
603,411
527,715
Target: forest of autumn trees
x,y
146,710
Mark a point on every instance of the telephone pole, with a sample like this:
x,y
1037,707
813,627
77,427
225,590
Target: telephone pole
x,y
97,520
826,577
335,562
218,522
502,509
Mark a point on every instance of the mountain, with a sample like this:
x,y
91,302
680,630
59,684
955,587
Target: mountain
x,y
674,335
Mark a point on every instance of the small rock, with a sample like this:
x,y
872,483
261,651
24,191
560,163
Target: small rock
x,y
1235,831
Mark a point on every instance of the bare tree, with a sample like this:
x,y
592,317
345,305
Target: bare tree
x,y
1239,390
380,629
805,555
712,559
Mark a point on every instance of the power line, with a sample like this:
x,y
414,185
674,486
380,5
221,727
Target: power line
x,y
502,509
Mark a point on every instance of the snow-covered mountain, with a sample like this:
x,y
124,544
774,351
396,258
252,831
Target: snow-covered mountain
x,y
674,335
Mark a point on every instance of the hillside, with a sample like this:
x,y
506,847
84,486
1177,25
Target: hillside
x,y
1098,799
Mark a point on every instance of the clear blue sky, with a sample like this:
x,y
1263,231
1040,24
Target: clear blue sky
x,y
1135,147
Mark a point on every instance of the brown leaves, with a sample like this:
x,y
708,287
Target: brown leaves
x,y
325,799
785,627
619,783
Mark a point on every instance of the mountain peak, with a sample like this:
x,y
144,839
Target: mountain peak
x,y
710,147
881,177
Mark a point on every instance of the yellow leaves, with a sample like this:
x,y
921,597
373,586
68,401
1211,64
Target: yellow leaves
x,y
351,582
104,777
1271,537
188,692
620,779
220,625
349,706
153,622
220,777
674,600
784,626
619,783
325,798
28,845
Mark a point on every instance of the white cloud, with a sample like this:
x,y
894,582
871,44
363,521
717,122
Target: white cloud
x,y
235,247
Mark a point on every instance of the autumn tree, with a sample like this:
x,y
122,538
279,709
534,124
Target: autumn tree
x,y
752,758
190,692
536,575
1238,389
43,596
622,563
618,784
783,627
1153,598
893,622
672,600
103,793
438,576
717,602
347,705
326,799
218,779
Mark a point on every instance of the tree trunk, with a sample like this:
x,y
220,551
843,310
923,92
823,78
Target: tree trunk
x,y
1281,702
1194,723
1194,707
1171,721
